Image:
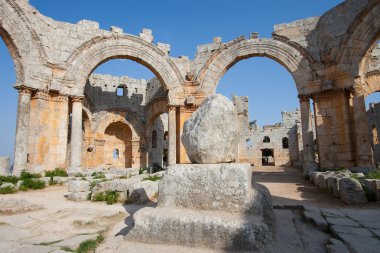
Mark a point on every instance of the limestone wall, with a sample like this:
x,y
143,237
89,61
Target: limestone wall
x,y
251,144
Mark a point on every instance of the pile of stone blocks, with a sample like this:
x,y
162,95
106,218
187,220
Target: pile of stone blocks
x,y
133,189
346,186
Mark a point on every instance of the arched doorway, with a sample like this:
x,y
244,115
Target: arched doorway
x,y
117,146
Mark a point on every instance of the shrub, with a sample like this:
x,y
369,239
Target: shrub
x,y
373,175
98,175
32,184
110,197
141,170
152,178
57,172
90,245
27,175
8,190
9,179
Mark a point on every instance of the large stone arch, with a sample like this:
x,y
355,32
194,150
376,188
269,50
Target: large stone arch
x,y
360,39
22,41
101,49
229,54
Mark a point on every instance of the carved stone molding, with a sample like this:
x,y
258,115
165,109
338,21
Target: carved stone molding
x,y
22,89
77,99
172,107
40,94
188,108
304,98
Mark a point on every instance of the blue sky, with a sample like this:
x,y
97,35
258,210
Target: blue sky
x,y
184,25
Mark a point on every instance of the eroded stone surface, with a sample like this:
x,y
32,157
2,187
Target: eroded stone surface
x,y
211,133
12,206
223,187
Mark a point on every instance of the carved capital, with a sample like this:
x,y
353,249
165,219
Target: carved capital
x,y
77,99
304,98
172,107
22,89
40,94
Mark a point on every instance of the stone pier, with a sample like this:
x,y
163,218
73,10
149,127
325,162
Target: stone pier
x,y
22,130
76,133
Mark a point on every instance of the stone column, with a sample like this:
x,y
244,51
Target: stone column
x,y
183,113
76,133
363,152
172,123
308,156
22,130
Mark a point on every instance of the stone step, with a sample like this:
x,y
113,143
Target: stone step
x,y
193,228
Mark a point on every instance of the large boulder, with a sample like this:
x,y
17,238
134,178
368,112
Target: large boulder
x,y
143,192
211,134
351,191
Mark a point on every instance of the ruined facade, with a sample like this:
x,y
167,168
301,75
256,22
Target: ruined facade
x,y
279,144
332,58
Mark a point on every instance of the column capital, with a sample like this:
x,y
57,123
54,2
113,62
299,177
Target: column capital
x,y
172,107
304,98
76,99
22,89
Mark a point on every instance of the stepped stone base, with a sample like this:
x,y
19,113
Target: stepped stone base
x,y
209,205
211,229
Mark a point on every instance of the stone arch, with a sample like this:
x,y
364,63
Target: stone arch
x,y
101,49
360,39
154,109
23,43
229,54
110,117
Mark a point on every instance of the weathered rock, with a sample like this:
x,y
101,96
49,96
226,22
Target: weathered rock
x,y
143,191
373,188
207,205
219,230
119,185
211,134
79,196
79,186
223,187
351,191
4,185
11,206
60,180
322,179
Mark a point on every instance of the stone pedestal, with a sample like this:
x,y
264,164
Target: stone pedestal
x,y
209,205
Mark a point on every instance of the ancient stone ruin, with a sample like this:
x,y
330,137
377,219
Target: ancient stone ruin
x,y
212,203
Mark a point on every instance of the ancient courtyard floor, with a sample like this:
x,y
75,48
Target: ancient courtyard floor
x,y
307,219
